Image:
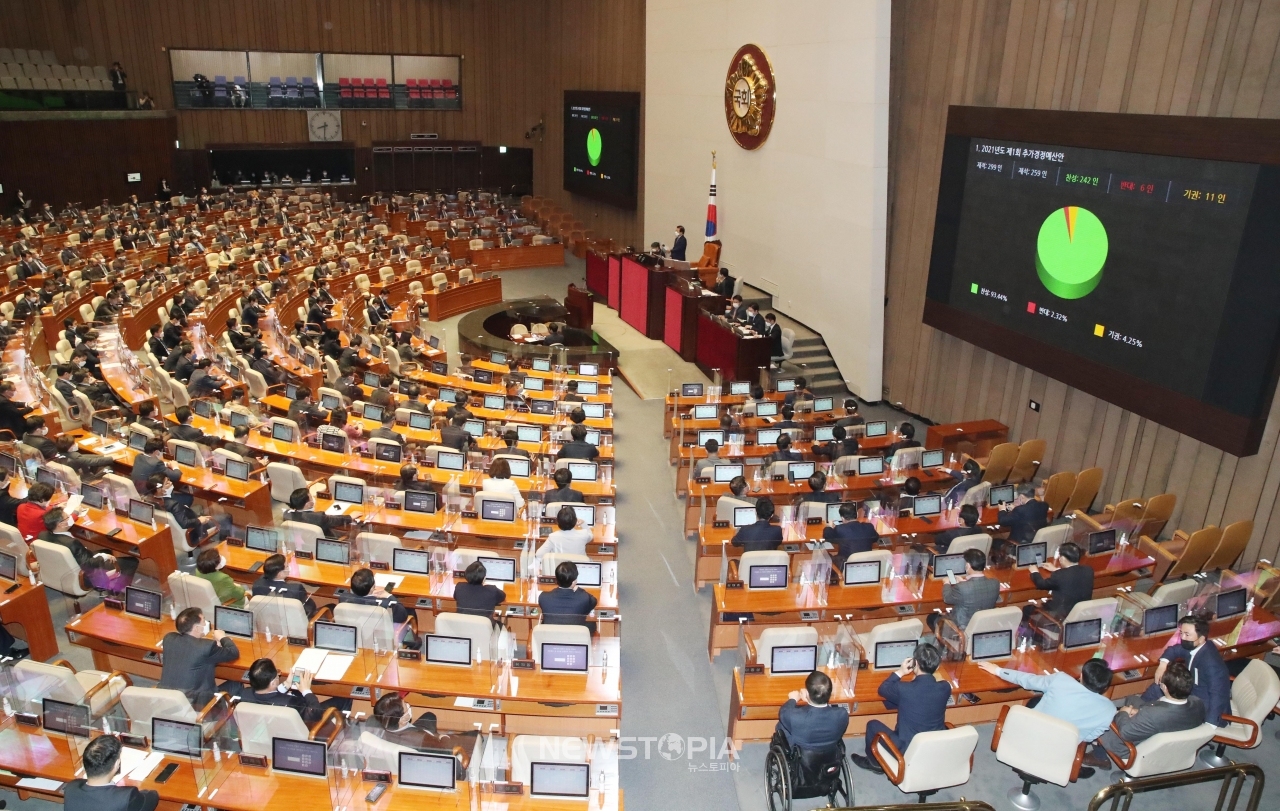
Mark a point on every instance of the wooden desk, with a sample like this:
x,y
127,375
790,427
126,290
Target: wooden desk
x,y
462,299
539,703
684,302
28,607
755,699
893,598
519,256
737,357
976,437
152,545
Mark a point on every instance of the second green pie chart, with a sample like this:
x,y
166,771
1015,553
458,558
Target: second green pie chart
x,y
1071,250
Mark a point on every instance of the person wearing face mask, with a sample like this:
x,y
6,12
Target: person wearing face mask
x,y
680,245
97,791
1210,676
268,686
209,567
724,283
191,656
398,725
151,463
200,529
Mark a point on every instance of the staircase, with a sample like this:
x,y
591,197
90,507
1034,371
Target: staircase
x,y
811,357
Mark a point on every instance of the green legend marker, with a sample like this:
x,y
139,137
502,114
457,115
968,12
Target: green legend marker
x,y
1070,252
973,288
594,145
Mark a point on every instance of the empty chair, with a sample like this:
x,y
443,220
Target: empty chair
x,y
933,760
980,541
58,680
284,480
763,558
1088,483
1189,553
375,626
900,631
782,636
300,536
1057,490
1175,592
558,635
1039,748
11,543
479,630
1052,536
1235,537
1254,694
1028,461
282,616
141,704
1000,462
788,344
190,591
378,547
885,556
1003,618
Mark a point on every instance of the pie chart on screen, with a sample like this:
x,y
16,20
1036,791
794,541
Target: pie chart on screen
x,y
1071,251
595,145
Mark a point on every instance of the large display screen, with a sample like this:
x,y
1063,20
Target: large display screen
x,y
602,145
1131,275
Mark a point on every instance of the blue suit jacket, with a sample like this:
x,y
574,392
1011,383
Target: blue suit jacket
x,y
566,606
921,704
678,248
1212,681
758,537
812,727
851,537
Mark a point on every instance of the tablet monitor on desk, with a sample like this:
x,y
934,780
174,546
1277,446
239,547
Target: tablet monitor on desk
x,y
499,570
333,551
520,467
100,427
824,404
594,411
793,659
743,516
281,432
421,770
588,387
491,510
1230,603
926,506
1081,634
64,717
593,437
420,420
824,433
710,433
1000,494
932,459
583,471
589,574
439,367
768,576
766,409
262,539
992,645
942,564
335,637
46,476
528,433
559,779
786,384
416,501
833,512
233,369
349,492
1101,542
387,451
861,572
474,427
589,369
9,463
1160,620
307,758
8,566
891,655
740,388
877,428
143,603
483,376
706,412
1032,553
768,436
203,408
545,407
541,365
690,389
239,418
175,737
498,358
799,471
186,456
433,341
870,465
233,621
534,384
373,412
565,658
495,402
372,379
334,443
329,402
449,396
141,511
723,474
138,440
586,513
410,561
450,460
237,470
290,391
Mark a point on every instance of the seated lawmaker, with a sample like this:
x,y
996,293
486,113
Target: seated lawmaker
x,y
395,718
474,596
968,526
209,567
499,483
762,535
266,686
273,583
579,447
807,719
784,452
1176,709
191,656
569,536
851,535
564,489
302,508
921,704
1211,679
818,490
1026,516
98,789
567,604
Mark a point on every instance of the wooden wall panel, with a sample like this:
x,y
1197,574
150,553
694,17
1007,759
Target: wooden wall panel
x,y
1173,57
518,58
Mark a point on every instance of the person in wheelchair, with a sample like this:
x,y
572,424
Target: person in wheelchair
x,y
807,720
806,755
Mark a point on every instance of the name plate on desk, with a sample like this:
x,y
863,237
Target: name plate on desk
x,y
137,741
469,514
459,573
27,719
791,547
779,478
546,580
547,519
607,549
379,566
733,584
410,654
112,602
515,611
255,761
366,455
297,641
810,616
703,480
523,664
751,670
393,505
374,776
503,787
813,521
301,555
234,542
719,524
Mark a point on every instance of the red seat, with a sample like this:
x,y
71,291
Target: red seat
x,y
357,88
344,88
450,92
436,91
384,92
412,86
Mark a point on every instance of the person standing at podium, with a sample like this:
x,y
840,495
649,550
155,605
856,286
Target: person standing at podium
x,y
680,245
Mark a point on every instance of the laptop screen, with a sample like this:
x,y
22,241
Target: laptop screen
x,y
1160,620
542,406
449,395
891,655
387,451
439,367
474,427
483,376
768,436
239,418
948,563
793,659
528,433
559,779
448,650
233,621
281,432
870,465
877,428
373,412
333,551
142,602
331,636
290,391
261,539
64,717
1029,553
1082,634
334,443
723,474
588,574
861,573
141,511
500,570
534,384
100,426
564,658
541,365
137,440
588,387
1102,542
447,460
498,358
710,433
372,379
799,471
8,566
185,456
410,561
1231,603
420,420
768,577
992,645
594,411
824,433
329,402
349,492
420,770
519,468
824,404
927,505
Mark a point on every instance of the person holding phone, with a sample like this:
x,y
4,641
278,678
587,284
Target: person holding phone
x,y
921,703
97,791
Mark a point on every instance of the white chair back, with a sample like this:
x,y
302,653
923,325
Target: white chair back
x,y
58,568
1039,745
1004,618
725,505
378,546
980,541
259,723
374,625
553,559
478,629
937,760
282,616
781,637
769,557
284,480
12,543
557,634
1052,537
141,704
190,591
380,754
885,557
900,631
1167,752
529,749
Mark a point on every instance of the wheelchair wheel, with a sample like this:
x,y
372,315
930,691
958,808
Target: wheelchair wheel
x,y
777,781
845,790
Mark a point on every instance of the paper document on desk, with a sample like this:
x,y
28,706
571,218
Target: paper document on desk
x,y
144,769
334,667
39,784
388,581
337,508
464,702
131,758
310,659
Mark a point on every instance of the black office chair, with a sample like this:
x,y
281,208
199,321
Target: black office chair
x,y
795,773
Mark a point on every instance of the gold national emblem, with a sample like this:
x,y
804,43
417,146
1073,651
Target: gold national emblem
x,y
749,97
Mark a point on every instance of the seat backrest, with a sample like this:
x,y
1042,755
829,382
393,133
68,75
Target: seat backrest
x,y
1028,461
1167,752
478,629
528,749
725,506
938,759
782,636
1255,691
378,546
978,495
905,458
1235,537
380,754
1000,463
141,704
559,634
1052,536
1039,745
980,541
284,480
190,591
885,556
282,616
259,723
481,498
58,568
34,681
375,627
301,536
1155,515
11,542
1196,552
553,559
1057,490
1003,618
1103,608
1088,483
1174,593
770,557
899,631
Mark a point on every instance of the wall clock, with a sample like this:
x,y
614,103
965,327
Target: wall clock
x,y
324,125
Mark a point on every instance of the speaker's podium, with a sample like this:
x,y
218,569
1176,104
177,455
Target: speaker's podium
x,y
581,306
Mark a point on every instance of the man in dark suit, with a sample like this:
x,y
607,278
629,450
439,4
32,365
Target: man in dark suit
x,y
976,592
850,536
784,452
98,791
1210,677
454,436
302,508
773,332
1069,584
908,433
921,704
37,436
13,414
754,319
366,591
264,688
760,536
398,727
564,491
1027,515
681,245
818,490
968,526
807,719
567,604
192,655
724,283
969,475
304,412
185,431
579,447
273,584
735,310
1174,710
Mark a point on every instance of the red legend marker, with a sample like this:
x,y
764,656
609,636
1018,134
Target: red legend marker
x,y
1031,307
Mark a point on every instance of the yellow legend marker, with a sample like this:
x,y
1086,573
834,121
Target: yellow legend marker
x,y
1098,330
